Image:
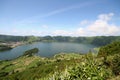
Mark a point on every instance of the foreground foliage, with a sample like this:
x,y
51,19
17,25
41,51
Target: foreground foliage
x,y
77,67
89,68
110,49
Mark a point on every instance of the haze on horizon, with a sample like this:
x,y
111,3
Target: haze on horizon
x,y
60,17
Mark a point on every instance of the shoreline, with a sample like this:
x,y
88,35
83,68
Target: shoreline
x,y
12,44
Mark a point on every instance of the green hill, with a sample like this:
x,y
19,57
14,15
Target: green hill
x,y
96,40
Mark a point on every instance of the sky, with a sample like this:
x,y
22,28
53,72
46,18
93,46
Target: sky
x,y
60,17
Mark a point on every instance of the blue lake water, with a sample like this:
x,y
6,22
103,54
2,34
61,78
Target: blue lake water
x,y
46,49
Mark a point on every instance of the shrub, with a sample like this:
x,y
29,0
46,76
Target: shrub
x,y
116,64
110,49
88,69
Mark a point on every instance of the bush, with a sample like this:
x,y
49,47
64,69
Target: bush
x,y
116,64
110,49
2,74
88,69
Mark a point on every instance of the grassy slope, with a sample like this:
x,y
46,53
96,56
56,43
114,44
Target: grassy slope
x,y
23,66
39,68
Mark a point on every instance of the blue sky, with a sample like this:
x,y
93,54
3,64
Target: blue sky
x,y
60,17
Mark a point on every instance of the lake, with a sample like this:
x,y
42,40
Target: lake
x,y
46,49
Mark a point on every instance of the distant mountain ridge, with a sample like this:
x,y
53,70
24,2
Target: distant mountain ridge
x,y
96,40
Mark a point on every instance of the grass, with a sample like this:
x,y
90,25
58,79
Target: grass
x,y
26,65
62,66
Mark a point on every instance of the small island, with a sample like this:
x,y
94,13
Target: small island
x,y
31,52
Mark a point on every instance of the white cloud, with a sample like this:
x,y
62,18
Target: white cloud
x,y
15,31
105,17
84,22
99,27
22,32
61,32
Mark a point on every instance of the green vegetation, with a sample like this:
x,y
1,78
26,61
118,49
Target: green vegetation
x,y
98,40
31,52
30,39
115,64
110,49
111,55
9,38
4,47
62,66
87,69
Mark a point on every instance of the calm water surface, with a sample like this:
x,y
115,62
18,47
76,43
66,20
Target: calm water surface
x,y
46,49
